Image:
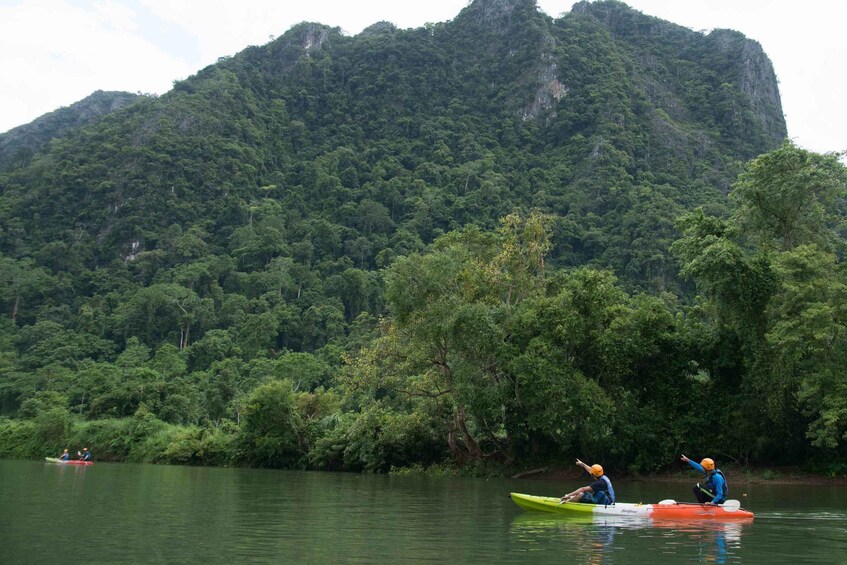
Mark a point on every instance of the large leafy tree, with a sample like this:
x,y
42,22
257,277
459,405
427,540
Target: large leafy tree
x,y
270,423
775,288
526,365
789,197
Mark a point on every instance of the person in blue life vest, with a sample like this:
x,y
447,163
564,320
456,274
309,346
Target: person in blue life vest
x,y
64,456
85,455
598,492
715,489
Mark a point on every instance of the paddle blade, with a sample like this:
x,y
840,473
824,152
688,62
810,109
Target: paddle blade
x,y
667,501
731,505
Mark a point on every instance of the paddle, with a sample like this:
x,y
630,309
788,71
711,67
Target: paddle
x,y
731,505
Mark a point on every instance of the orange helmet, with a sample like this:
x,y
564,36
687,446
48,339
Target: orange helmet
x,y
86,449
597,470
708,464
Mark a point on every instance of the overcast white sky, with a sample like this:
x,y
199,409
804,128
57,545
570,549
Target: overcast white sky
x,y
55,52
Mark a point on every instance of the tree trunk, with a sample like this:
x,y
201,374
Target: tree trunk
x,y
472,446
462,444
15,307
458,453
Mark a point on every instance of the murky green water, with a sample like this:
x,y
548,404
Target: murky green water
x,y
120,513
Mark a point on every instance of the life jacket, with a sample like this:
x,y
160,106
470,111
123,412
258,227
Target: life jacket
x,y
710,483
609,489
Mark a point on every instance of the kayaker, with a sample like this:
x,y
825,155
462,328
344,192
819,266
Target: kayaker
x,y
85,455
598,492
715,489
64,456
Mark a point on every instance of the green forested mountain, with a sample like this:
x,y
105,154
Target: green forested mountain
x,y
451,244
19,144
408,134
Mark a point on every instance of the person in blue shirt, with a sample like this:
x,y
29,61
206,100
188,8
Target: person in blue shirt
x,y
64,456
715,489
85,455
598,492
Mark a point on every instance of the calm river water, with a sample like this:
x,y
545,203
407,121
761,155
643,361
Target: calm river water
x,y
122,513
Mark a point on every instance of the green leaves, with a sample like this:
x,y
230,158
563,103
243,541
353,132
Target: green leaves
x,y
286,206
775,284
808,337
270,424
530,365
787,197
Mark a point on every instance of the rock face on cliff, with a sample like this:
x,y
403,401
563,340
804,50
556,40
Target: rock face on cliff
x,y
18,144
755,77
702,89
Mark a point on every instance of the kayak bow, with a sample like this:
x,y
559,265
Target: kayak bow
x,y
669,510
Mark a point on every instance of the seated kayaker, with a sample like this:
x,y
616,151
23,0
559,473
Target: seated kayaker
x,y
598,492
85,455
715,489
64,456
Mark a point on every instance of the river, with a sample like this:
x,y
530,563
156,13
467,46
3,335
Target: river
x,y
124,513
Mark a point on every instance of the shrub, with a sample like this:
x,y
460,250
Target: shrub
x,y
270,425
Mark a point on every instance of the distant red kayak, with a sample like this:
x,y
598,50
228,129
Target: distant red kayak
x,y
68,461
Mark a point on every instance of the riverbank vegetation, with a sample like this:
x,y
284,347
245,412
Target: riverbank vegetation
x,y
488,356
489,245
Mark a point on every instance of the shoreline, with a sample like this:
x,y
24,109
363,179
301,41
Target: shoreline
x,y
764,475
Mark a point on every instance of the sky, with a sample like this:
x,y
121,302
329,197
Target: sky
x,y
56,52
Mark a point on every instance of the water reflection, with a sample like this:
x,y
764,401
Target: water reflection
x,y
68,476
123,513
718,541
599,537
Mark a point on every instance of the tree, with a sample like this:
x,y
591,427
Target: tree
x,y
807,342
779,298
451,309
304,370
270,424
739,283
162,312
787,197
22,284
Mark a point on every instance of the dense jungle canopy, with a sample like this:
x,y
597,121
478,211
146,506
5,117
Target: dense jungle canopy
x,y
485,244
